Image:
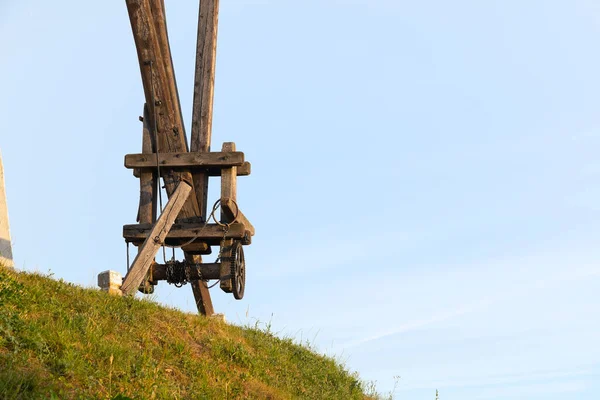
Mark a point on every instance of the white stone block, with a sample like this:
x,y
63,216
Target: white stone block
x,y
110,281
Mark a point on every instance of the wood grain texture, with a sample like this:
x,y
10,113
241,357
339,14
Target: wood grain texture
x,y
160,23
228,183
202,113
204,82
200,290
184,160
163,110
155,238
148,179
211,233
228,192
243,170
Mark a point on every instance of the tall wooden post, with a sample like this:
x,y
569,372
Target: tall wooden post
x,y
6,257
206,56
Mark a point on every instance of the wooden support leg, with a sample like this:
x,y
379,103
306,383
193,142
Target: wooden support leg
x,y
204,80
148,187
148,178
201,293
157,235
228,193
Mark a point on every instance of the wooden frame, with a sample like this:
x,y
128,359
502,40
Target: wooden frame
x,y
155,239
165,152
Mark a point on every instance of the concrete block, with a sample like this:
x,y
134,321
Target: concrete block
x,y
110,281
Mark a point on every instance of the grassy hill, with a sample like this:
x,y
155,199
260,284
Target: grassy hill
x,y
61,341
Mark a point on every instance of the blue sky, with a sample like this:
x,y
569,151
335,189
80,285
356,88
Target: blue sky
x,y
424,182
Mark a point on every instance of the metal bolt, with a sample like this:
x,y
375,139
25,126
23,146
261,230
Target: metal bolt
x,y
157,103
141,118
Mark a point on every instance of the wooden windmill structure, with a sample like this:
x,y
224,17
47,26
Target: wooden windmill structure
x,y
185,220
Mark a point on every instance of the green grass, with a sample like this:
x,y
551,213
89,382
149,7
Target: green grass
x,y
61,341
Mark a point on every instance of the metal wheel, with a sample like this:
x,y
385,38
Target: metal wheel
x,y
238,270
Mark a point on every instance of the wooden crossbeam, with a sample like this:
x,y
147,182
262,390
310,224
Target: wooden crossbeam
x,y
155,238
178,233
242,170
182,160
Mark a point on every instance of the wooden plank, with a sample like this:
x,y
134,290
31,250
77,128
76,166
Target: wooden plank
x,y
155,238
148,179
148,187
204,82
243,170
185,232
228,182
184,160
228,192
202,118
163,111
160,23
230,208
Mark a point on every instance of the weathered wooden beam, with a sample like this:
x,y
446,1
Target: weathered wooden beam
x,y
155,238
228,193
180,233
160,24
243,170
207,271
184,160
163,111
148,179
148,188
231,210
200,290
228,182
204,84
202,115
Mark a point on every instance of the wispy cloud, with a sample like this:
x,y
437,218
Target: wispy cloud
x,y
536,273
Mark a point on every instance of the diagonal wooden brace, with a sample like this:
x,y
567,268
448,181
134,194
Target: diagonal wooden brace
x,y
155,238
